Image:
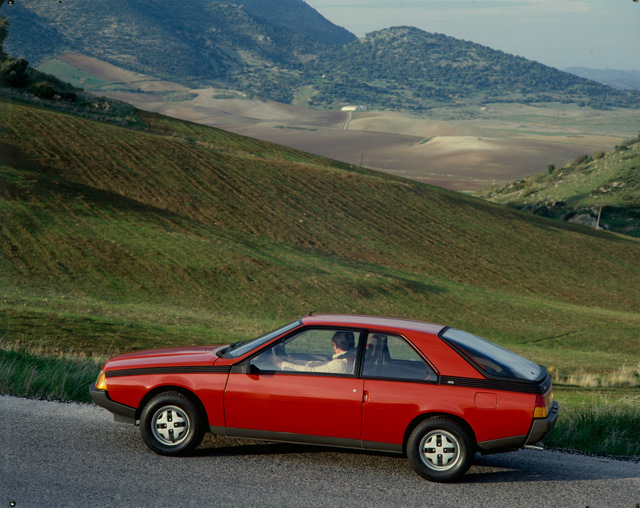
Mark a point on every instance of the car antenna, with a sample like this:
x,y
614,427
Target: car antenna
x,y
311,313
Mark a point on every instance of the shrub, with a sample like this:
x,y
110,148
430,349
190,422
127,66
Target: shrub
x,y
580,159
42,89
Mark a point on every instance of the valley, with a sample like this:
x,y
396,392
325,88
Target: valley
x,y
463,149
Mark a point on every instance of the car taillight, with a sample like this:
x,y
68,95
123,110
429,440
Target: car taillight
x,y
543,404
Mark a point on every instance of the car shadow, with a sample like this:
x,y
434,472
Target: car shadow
x,y
548,466
519,466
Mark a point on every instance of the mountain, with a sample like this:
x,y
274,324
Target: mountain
x,y
196,41
620,80
403,65
297,16
288,53
116,238
601,190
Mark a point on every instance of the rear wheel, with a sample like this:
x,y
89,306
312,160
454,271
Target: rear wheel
x,y
170,424
440,450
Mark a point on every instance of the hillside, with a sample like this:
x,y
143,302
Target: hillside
x,y
116,239
297,16
20,81
605,185
296,58
201,41
405,66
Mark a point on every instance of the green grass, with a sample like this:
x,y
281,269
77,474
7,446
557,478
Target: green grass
x,y
72,75
601,426
186,234
30,375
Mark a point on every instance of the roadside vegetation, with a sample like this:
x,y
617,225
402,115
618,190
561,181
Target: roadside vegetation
x,y
27,372
601,426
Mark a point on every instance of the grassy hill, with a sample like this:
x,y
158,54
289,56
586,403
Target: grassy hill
x,y
607,185
116,239
289,53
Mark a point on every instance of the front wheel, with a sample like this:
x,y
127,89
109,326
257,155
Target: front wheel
x,y
170,424
440,450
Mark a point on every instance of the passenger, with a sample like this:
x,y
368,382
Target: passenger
x,y
340,363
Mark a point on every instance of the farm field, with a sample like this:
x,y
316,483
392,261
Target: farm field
x,y
463,150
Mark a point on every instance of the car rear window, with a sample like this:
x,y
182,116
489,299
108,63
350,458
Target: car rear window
x,y
493,359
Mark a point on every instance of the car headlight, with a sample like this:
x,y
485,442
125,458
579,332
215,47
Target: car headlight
x,y
101,382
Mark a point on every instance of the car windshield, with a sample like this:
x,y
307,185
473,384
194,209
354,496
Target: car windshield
x,y
493,359
238,349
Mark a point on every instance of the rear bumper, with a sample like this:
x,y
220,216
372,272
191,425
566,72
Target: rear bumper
x,y
541,426
121,413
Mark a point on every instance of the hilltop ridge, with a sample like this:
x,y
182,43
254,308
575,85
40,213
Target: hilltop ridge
x,y
296,58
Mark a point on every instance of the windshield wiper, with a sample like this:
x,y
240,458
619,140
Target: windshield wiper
x,y
228,348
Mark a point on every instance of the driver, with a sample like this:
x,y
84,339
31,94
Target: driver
x,y
340,363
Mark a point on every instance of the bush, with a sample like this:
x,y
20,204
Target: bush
x,y
580,159
42,89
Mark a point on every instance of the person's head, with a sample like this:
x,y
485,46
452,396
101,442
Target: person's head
x,y
344,340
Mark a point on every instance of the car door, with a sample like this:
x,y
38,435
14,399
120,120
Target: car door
x,y
298,390
396,379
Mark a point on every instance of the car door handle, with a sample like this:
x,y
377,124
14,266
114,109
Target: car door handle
x,y
365,396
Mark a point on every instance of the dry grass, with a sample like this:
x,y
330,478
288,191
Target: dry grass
x,y
623,377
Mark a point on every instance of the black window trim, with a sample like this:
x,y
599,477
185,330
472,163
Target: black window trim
x,y
368,331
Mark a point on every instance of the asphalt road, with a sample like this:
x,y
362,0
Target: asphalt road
x,y
75,455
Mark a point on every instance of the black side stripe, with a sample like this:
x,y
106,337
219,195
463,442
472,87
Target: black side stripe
x,y
169,370
488,384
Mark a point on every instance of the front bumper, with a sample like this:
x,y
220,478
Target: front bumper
x,y
121,413
541,426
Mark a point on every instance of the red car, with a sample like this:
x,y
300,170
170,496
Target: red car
x,y
435,393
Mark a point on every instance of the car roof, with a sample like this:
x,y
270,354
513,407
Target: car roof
x,y
375,322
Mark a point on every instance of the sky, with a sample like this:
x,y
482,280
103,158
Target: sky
x,y
597,34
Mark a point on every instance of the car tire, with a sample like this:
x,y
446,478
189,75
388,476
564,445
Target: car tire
x,y
440,450
170,424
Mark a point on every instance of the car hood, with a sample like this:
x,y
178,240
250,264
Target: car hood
x,y
180,356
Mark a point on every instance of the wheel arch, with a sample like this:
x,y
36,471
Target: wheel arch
x,y
174,388
424,416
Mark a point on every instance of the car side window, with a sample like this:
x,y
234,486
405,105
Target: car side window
x,y
391,357
320,350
